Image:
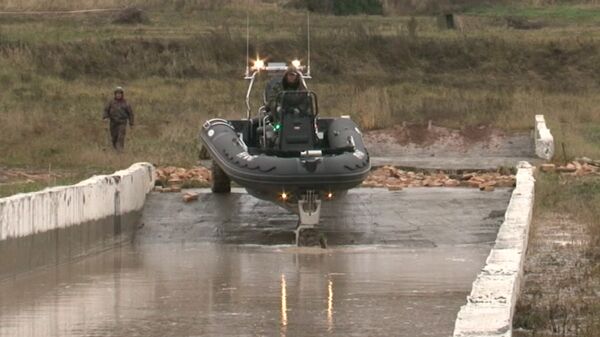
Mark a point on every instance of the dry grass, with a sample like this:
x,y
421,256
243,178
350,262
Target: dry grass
x,y
185,66
29,5
70,131
562,271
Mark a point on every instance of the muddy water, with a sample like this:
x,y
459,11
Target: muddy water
x,y
193,283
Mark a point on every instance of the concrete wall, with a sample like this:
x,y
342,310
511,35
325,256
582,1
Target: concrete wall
x,y
544,142
490,306
61,223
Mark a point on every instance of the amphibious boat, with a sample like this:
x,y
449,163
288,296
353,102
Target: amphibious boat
x,y
291,156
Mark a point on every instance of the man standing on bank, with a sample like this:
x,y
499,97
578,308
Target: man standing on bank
x,y
119,112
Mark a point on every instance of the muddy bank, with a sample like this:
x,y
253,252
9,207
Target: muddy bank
x,y
561,291
415,139
434,147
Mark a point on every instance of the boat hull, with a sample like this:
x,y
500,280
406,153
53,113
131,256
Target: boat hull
x,y
267,176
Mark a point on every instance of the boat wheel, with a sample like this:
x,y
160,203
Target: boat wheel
x,y
220,180
203,152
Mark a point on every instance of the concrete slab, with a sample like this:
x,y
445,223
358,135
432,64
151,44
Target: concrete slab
x,y
544,141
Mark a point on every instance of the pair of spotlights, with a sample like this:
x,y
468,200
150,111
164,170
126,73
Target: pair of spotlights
x,y
260,64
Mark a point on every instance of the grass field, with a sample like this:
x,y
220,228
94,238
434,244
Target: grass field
x,y
185,65
560,12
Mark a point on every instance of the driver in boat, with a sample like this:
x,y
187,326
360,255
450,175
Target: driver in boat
x,y
290,81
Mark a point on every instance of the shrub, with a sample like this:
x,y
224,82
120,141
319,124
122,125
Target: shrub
x,y
342,7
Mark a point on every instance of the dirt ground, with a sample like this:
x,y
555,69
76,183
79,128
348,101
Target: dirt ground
x,y
417,139
433,147
561,287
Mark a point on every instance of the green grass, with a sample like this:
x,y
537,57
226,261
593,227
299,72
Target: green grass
x,y
8,189
570,195
592,135
577,198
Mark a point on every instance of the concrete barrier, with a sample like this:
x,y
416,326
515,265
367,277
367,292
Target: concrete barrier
x,y
490,306
544,142
61,223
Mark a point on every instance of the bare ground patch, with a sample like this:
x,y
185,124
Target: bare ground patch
x,y
478,140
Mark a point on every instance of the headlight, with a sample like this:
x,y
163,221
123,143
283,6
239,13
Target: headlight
x,y
258,64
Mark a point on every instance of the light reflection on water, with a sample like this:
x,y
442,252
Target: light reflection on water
x,y
214,290
284,320
330,305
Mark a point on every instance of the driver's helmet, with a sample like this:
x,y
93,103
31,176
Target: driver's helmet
x,y
297,84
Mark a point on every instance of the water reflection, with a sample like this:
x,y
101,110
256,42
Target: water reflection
x,y
284,320
330,305
215,290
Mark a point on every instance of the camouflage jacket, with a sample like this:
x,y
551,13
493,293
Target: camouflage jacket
x,y
119,111
273,90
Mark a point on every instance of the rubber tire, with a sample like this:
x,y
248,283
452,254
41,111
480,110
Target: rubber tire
x,y
220,180
203,152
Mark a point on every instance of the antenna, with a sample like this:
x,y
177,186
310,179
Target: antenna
x,y
308,41
247,37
